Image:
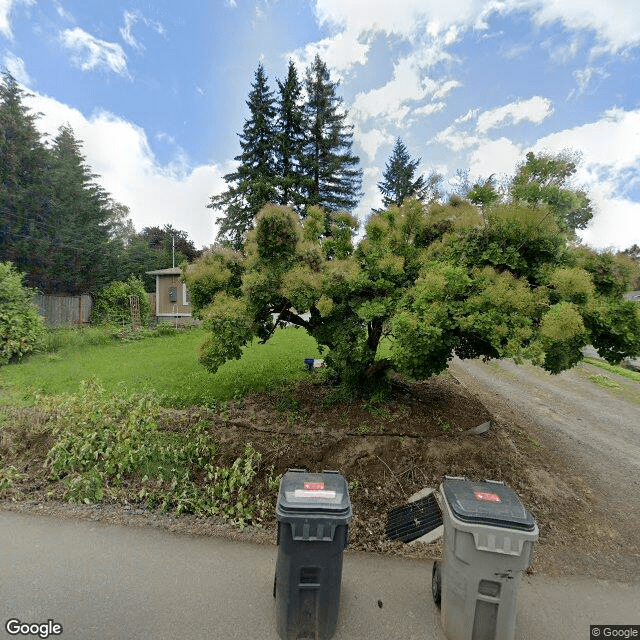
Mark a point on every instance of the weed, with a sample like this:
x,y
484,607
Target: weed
x,y
362,429
534,442
7,477
110,445
604,381
273,480
304,437
378,412
445,426
354,485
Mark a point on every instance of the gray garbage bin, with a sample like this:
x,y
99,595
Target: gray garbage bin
x,y
488,542
313,514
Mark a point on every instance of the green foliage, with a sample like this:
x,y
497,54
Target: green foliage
x,y
113,303
56,220
434,281
7,477
219,269
253,183
109,445
612,274
543,181
21,326
399,180
614,328
295,152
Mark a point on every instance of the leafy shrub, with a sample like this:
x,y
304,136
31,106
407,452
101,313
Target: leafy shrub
x,y
109,446
113,305
21,326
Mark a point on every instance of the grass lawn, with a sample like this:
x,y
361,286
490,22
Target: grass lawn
x,y
166,364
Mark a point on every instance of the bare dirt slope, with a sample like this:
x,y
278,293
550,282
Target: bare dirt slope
x,y
582,492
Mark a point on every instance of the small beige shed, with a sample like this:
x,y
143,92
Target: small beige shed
x,y
172,295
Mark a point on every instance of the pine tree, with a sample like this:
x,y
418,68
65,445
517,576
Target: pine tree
x,y
253,183
399,177
81,254
25,194
290,140
332,179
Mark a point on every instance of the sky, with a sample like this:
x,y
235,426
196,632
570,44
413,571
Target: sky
x,y
156,90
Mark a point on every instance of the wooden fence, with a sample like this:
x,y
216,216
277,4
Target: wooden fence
x,y
59,310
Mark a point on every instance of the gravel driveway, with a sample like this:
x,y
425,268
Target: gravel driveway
x,y
589,416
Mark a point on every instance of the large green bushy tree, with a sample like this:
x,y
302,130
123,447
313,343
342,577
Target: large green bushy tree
x,y
434,280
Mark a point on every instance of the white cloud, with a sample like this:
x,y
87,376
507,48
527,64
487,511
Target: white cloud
x,y
428,109
130,18
119,152
534,110
612,143
16,67
585,76
616,23
88,52
610,150
457,139
409,84
372,140
340,52
495,157
6,6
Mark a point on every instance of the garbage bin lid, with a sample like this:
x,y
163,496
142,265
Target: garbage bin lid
x,y
306,494
490,503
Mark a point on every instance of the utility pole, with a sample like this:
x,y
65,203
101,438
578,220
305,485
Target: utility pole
x,y
173,251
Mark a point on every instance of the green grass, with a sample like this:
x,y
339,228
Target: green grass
x,y
620,371
168,365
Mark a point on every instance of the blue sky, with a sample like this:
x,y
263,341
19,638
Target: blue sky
x,y
156,90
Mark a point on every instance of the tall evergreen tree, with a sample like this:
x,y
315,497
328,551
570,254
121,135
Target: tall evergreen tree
x,y
25,194
400,181
290,140
253,183
332,177
81,249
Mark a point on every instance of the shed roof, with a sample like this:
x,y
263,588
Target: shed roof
x,y
171,271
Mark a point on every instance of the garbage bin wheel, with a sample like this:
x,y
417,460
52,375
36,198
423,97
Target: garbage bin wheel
x,y
436,583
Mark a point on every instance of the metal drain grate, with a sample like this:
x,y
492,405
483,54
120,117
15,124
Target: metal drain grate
x,y
414,519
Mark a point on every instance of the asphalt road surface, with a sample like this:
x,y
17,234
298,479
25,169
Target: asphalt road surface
x,y
107,582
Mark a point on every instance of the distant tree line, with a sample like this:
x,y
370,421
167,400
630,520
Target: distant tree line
x,y
295,151
58,226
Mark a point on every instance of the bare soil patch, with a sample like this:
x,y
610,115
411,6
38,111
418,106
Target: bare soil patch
x,y
387,452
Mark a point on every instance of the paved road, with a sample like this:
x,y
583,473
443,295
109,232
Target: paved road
x,y
106,582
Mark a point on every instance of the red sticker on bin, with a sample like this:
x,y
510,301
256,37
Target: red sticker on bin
x,y
314,486
489,497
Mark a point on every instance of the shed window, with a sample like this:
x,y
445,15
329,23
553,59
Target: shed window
x,y
186,298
